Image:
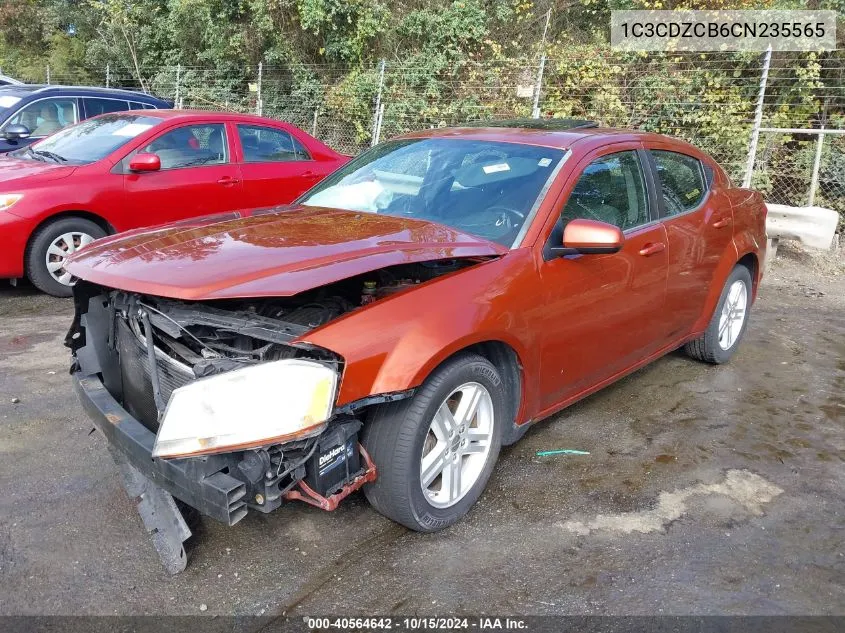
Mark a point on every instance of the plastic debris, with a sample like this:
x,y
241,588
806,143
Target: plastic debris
x,y
561,451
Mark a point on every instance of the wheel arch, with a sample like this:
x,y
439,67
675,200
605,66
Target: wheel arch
x,y
62,215
727,262
74,213
752,263
505,358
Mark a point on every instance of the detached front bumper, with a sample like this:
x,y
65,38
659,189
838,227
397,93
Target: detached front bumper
x,y
198,482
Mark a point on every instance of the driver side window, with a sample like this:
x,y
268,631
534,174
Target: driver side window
x,y
191,146
46,116
611,189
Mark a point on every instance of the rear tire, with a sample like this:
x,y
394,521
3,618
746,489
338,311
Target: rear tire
x,y
722,337
49,245
414,439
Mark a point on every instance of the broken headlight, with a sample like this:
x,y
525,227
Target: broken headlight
x,y
259,405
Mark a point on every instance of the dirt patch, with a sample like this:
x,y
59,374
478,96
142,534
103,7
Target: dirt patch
x,y
747,489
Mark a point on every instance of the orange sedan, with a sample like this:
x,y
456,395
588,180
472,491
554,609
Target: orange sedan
x,y
409,315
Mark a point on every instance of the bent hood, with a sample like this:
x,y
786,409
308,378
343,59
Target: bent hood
x,y
280,252
18,172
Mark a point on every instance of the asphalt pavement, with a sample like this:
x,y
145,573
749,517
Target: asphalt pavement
x,y
707,490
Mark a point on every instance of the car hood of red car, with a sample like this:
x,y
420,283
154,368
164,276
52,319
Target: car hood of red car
x,y
19,171
271,253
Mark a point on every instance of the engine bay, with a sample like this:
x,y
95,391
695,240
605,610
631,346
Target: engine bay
x,y
216,336
111,336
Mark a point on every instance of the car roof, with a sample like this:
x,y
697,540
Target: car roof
x,y
25,90
171,114
545,136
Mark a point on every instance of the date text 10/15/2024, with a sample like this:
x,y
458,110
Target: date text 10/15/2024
x,y
416,623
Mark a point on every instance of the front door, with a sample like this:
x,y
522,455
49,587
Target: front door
x,y
603,312
196,177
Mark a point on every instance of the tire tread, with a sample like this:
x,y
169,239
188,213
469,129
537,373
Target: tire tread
x,y
389,436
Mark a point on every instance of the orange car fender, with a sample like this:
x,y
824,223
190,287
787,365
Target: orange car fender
x,y
727,262
393,344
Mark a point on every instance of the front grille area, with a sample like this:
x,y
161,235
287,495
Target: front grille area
x,y
134,369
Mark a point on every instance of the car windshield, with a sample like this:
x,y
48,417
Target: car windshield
x,y
483,188
90,140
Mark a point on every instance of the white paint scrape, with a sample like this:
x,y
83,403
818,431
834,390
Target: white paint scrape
x,y
744,487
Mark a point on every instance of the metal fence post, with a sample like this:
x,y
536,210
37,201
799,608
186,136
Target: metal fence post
x,y
379,119
48,74
259,106
178,79
378,109
108,76
814,181
758,119
314,124
538,87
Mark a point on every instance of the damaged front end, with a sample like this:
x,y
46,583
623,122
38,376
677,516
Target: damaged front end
x,y
216,405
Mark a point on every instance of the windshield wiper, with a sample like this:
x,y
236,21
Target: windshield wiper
x,y
51,155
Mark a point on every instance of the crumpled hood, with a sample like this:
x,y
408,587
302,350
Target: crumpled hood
x,y
19,173
279,252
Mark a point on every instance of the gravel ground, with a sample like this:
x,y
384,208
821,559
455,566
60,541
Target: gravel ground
x,y
708,490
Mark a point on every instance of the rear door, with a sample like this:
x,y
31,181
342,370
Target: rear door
x,y
197,176
275,165
698,220
603,313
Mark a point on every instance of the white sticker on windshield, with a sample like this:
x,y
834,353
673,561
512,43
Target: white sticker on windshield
x,y
132,129
8,101
492,169
544,162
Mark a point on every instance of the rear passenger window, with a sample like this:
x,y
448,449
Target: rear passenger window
x,y
269,145
94,107
682,181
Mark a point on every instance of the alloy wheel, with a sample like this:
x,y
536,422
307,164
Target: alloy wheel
x,y
457,445
733,314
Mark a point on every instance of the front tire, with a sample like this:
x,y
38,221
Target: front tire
x,y
50,246
436,451
724,333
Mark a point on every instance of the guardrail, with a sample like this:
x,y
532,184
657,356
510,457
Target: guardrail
x,y
812,226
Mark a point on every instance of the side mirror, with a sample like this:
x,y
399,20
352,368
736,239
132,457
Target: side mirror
x,y
590,237
16,132
145,162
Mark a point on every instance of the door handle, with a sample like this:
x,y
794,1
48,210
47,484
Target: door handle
x,y
652,248
228,180
720,224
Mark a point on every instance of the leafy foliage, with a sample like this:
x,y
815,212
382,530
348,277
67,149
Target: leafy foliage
x,y
448,61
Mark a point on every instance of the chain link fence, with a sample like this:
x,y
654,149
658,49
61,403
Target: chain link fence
x,y
714,100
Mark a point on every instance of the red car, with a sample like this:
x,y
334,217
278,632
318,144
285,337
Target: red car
x,y
142,168
419,308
